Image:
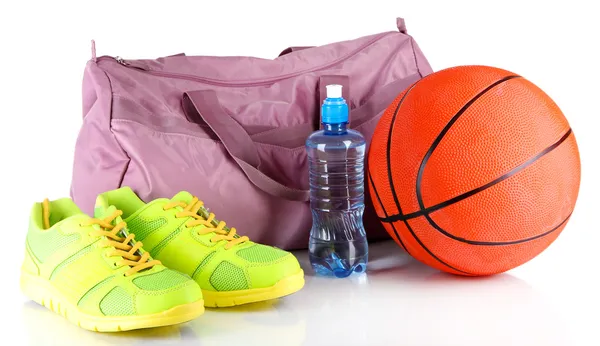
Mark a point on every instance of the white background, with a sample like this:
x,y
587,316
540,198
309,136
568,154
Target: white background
x,y
552,300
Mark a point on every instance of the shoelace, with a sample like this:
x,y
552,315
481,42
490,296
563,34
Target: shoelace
x,y
191,210
121,245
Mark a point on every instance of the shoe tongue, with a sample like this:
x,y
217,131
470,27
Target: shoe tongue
x,y
183,196
103,209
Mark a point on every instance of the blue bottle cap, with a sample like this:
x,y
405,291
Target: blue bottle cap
x,y
334,109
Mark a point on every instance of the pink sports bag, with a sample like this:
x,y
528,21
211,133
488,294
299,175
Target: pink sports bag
x,y
231,130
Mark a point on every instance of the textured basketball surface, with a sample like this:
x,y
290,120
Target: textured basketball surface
x,y
474,170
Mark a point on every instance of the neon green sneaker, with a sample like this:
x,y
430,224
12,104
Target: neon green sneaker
x,y
91,271
230,269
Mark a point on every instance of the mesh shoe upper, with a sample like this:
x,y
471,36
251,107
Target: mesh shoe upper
x,y
160,290
199,245
70,250
261,254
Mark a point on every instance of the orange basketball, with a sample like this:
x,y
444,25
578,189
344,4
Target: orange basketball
x,y
474,170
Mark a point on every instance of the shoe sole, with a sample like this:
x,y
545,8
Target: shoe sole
x,y
282,288
44,293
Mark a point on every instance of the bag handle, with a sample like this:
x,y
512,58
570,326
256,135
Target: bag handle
x,y
203,106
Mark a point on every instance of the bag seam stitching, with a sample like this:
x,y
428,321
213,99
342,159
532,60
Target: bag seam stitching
x,y
163,132
154,114
412,45
272,146
110,119
122,97
376,39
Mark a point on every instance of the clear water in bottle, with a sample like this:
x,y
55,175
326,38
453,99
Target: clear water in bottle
x,y
338,245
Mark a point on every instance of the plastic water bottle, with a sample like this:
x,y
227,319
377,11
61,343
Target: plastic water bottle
x,y
338,245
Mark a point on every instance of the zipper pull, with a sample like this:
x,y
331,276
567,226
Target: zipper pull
x,y
131,63
121,61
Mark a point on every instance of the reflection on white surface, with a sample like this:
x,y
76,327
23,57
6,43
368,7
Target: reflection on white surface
x,y
399,302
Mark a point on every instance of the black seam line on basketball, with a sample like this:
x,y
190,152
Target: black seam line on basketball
x,y
513,242
468,194
394,190
388,159
386,214
429,251
475,242
435,142
389,146
445,130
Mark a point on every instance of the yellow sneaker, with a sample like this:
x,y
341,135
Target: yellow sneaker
x,y
230,269
93,272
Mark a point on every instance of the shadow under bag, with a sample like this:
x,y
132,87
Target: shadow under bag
x,y
231,130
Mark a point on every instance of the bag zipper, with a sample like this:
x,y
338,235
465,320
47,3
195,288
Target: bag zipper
x,y
133,64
